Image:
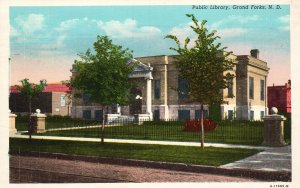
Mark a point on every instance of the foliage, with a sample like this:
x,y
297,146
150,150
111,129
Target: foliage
x,y
30,90
215,112
195,125
68,95
103,76
203,64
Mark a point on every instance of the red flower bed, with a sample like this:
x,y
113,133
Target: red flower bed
x,y
195,125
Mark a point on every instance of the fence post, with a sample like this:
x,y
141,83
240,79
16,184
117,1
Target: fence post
x,y
274,129
40,120
12,123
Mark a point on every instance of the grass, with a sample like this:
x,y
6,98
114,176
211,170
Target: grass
x,y
53,122
232,132
227,132
179,154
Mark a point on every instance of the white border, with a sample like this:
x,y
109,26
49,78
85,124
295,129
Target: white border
x,y
4,54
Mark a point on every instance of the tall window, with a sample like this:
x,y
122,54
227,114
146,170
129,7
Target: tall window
x,y
85,97
251,115
86,114
98,115
182,88
62,100
156,115
183,115
198,114
251,87
262,90
230,115
230,87
156,89
262,114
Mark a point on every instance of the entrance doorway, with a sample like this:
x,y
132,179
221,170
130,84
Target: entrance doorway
x,y
135,106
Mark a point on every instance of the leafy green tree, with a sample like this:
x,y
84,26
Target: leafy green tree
x,y
30,90
204,66
68,95
103,75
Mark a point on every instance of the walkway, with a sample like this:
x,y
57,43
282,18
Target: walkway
x,y
270,159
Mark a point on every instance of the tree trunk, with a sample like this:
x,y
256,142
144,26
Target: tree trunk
x,y
103,125
30,123
202,127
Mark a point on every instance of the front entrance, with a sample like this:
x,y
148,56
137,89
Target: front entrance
x,y
135,106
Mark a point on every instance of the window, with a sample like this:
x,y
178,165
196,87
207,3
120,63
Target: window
x,y
262,114
262,90
156,89
85,97
230,87
182,88
198,114
251,87
251,115
98,115
62,100
156,115
86,114
183,115
230,115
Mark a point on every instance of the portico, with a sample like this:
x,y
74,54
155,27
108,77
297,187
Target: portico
x,y
144,72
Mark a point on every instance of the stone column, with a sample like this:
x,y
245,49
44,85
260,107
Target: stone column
x,y
118,109
149,98
273,129
12,123
40,122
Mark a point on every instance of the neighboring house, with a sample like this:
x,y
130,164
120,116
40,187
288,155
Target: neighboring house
x,y
157,76
52,101
280,97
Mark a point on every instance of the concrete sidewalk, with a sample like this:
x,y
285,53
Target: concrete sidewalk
x,y
270,159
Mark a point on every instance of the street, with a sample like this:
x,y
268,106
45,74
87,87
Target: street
x,y
46,170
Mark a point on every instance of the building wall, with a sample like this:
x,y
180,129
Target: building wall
x,y
280,97
59,107
169,103
247,67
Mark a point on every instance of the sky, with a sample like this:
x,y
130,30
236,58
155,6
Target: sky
x,y
45,41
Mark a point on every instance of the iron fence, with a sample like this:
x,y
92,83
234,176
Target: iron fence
x,y
231,132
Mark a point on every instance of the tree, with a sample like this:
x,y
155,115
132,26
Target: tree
x,y
68,96
30,90
203,66
103,76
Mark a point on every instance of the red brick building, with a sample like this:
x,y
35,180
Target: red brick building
x,y
51,101
280,97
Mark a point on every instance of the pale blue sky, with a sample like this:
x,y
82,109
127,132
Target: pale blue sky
x,y
45,40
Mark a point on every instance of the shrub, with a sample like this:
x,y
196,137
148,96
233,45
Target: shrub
x,y
195,125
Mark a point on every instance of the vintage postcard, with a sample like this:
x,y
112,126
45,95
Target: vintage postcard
x,y
150,92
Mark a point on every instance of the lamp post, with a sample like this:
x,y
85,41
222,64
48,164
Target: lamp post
x,y
9,74
9,67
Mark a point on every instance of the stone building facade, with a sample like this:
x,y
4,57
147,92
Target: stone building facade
x,y
156,78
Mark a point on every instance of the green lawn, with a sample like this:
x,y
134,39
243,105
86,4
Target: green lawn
x,y
180,154
54,122
234,133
